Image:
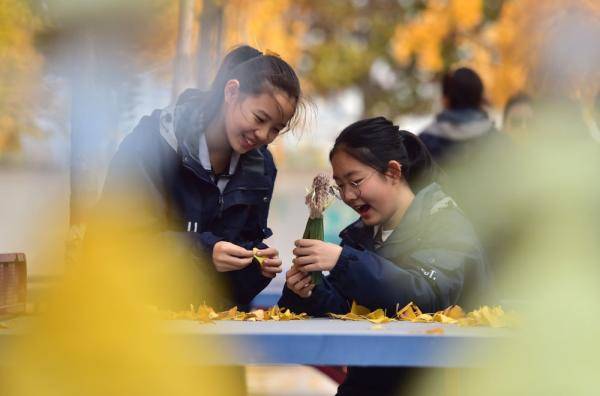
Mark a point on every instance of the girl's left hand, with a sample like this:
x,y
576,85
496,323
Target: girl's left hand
x,y
315,255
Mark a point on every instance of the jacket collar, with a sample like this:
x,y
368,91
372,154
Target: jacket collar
x,y
427,202
462,124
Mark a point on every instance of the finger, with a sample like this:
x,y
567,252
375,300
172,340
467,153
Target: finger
x,y
302,283
268,252
302,261
238,251
302,251
274,262
308,289
272,270
236,261
303,243
296,278
311,268
291,272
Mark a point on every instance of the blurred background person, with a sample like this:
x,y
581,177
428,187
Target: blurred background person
x,y
517,116
463,126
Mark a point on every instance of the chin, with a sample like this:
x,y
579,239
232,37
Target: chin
x,y
370,221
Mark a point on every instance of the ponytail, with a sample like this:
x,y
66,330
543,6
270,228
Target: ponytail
x,y
377,141
420,170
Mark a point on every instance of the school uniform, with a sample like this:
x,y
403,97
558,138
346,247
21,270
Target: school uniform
x,y
160,183
432,258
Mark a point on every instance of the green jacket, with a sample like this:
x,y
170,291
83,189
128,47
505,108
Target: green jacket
x,y
432,258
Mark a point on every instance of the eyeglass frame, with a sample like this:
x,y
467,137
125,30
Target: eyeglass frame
x,y
338,191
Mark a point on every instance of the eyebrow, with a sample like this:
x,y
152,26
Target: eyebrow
x,y
347,175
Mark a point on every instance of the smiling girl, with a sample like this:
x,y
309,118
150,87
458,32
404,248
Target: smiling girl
x,y
199,172
411,242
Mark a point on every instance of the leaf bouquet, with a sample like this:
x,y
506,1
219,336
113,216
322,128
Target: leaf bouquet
x,y
319,197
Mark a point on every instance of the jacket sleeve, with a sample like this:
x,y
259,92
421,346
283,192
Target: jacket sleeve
x,y
325,299
432,278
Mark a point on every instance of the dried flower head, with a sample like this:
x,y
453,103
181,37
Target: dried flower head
x,y
320,195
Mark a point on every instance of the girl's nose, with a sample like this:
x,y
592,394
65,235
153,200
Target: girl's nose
x,y
349,194
262,135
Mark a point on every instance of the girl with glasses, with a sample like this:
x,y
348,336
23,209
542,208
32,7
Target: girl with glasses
x,y
411,242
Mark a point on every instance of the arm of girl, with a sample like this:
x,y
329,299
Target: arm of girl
x,y
300,295
431,279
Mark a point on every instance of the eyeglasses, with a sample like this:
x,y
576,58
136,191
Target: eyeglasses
x,y
354,186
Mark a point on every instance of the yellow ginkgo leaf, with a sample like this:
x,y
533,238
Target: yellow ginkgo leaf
x,y
359,309
440,317
423,318
409,312
206,314
378,316
258,258
454,312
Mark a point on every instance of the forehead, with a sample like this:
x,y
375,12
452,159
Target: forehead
x,y
276,104
343,164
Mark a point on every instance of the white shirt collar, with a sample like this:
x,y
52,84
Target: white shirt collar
x,y
205,162
385,234
205,156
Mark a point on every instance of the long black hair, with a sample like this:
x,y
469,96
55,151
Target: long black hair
x,y
257,73
377,141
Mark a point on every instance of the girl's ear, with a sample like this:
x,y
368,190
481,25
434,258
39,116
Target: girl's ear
x,y
232,91
394,170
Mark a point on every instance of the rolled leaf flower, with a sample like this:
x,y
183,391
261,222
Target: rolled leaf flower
x,y
319,197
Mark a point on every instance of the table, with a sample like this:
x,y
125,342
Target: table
x,y
328,342
324,342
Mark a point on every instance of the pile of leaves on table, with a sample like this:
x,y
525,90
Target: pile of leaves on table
x,y
484,316
206,314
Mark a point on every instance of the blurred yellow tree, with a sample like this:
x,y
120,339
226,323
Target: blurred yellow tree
x,y
503,48
273,25
20,66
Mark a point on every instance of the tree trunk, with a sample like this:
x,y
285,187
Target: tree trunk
x,y
182,74
210,42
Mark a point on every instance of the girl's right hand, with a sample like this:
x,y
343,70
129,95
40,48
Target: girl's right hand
x,y
299,282
230,257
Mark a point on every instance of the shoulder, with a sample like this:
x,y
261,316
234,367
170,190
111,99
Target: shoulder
x,y
145,144
447,222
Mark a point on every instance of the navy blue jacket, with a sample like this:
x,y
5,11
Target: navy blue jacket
x,y
158,186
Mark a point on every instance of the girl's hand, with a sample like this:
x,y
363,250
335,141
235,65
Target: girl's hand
x,y
299,282
315,255
230,257
271,265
